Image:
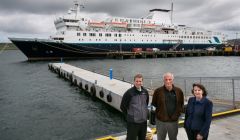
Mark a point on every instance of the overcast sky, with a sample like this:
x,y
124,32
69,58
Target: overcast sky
x,y
34,18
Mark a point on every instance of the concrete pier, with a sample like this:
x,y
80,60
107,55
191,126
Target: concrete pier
x,y
99,86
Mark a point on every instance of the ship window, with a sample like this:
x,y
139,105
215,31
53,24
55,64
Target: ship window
x,y
108,35
119,35
115,35
78,34
92,34
84,34
100,34
59,39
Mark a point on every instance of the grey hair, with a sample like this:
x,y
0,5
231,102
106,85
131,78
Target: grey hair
x,y
168,74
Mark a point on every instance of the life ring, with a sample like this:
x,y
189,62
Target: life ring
x,y
75,82
80,85
109,97
64,76
54,70
86,87
49,67
101,94
70,78
58,72
93,91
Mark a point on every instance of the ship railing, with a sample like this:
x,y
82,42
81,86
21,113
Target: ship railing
x,y
224,92
176,45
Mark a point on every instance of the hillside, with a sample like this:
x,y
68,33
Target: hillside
x,y
7,46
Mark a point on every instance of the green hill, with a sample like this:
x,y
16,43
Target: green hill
x,y
8,46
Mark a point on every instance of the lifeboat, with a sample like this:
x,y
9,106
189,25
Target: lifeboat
x,y
149,26
96,24
119,24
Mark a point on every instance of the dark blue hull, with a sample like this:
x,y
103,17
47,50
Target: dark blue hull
x,y
46,49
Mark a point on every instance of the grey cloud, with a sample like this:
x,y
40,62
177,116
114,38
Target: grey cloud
x,y
33,6
220,14
231,27
25,23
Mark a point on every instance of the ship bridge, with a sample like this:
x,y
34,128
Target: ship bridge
x,y
159,16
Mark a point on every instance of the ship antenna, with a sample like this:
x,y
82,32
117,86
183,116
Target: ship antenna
x,y
172,12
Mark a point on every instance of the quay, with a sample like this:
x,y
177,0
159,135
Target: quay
x,y
105,88
226,128
166,54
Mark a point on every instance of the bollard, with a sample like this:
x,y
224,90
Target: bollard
x,y
110,74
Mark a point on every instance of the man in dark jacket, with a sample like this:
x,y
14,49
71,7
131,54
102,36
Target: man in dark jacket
x,y
134,106
168,100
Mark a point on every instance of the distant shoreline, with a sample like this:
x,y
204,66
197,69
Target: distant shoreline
x,y
8,46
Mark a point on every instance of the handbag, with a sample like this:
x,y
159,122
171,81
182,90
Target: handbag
x,y
153,115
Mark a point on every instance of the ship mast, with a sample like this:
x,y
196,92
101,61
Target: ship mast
x,y
172,12
77,7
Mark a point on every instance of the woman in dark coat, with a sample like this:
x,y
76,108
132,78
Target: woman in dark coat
x,y
198,115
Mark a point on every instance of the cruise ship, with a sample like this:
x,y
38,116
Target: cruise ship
x,y
78,36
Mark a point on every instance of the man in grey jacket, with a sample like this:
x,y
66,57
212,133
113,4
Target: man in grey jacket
x,y
134,106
